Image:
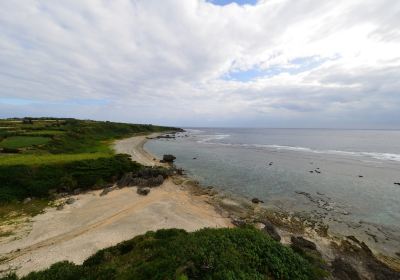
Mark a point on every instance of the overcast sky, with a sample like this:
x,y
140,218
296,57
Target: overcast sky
x,y
270,63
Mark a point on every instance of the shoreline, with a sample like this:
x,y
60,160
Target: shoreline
x,y
179,202
331,246
93,221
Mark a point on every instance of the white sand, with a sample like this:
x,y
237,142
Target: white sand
x,y
94,222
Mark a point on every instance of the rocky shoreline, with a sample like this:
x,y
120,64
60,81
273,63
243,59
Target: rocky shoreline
x,y
345,257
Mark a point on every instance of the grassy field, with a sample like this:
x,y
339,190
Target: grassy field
x,y
39,159
16,142
39,155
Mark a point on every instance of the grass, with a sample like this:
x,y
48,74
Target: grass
x,y
219,254
16,142
63,154
40,159
31,208
44,132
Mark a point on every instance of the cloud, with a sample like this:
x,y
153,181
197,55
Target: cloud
x,y
190,62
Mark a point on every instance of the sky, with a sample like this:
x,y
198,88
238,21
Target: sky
x,y
244,63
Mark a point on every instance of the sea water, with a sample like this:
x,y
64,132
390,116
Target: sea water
x,y
345,176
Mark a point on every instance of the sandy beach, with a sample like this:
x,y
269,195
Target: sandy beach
x,y
94,222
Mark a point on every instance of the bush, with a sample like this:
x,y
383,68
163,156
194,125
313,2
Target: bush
x,y
239,253
21,181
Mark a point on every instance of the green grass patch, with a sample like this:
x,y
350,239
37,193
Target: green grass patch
x,y
44,132
16,142
39,159
218,254
31,208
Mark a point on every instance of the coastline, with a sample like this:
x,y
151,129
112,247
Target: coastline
x,y
78,230
330,246
94,222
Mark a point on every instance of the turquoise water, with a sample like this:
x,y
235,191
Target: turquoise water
x,y
352,178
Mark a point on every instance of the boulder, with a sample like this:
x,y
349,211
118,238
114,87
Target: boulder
x,y
60,207
143,191
70,200
125,180
77,191
344,271
299,242
27,200
238,222
168,158
155,181
107,190
270,229
256,200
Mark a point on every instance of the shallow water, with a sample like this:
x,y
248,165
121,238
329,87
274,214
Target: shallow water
x,y
352,178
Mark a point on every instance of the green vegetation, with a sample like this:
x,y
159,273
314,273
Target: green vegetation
x,y
43,155
240,253
16,142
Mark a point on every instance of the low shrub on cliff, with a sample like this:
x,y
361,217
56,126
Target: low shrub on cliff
x,y
239,253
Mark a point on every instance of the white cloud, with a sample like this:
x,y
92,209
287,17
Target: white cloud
x,y
165,61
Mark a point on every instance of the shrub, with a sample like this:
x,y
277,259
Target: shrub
x,y
239,253
20,181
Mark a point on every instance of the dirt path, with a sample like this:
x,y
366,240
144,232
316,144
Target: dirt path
x,y
94,222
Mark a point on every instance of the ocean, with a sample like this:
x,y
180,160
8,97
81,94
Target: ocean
x,y
345,177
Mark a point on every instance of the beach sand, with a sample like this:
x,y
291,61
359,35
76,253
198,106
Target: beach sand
x,y
95,222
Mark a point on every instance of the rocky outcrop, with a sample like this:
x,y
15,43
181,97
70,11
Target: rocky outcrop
x,y
168,158
270,229
256,200
302,244
344,271
70,200
107,190
143,191
125,180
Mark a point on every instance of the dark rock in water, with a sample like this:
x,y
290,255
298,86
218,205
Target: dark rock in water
x,y
143,191
317,171
311,171
70,200
179,171
398,254
195,158
271,231
360,176
256,200
301,243
271,163
344,271
27,200
396,183
168,158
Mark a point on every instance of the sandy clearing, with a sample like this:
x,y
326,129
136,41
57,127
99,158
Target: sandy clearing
x,y
94,222
134,146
